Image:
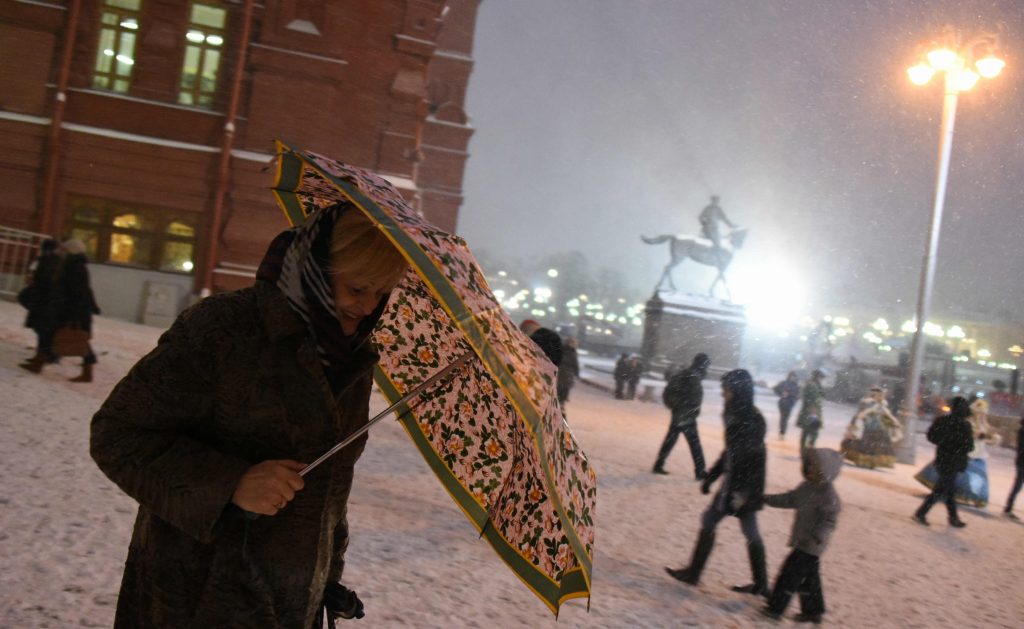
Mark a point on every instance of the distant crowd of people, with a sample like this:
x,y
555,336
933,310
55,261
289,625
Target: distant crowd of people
x,y
958,473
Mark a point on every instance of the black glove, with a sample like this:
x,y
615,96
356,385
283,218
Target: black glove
x,y
341,602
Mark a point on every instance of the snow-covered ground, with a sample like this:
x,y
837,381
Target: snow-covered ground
x,y
415,560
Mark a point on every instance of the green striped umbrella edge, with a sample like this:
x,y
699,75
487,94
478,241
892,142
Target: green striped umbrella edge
x,y
573,584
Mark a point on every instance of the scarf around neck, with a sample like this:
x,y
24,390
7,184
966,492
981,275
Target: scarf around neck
x,y
298,263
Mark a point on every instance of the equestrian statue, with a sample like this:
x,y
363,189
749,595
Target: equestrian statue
x,y
709,250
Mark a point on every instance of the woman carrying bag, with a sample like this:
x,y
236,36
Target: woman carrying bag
x,y
69,310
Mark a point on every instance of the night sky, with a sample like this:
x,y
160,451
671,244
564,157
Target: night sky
x,y
601,120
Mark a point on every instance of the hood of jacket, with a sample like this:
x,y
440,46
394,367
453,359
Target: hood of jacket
x,y
823,465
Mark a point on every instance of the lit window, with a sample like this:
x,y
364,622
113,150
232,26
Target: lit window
x,y
130,249
204,41
116,233
178,228
132,221
115,52
177,256
179,247
129,244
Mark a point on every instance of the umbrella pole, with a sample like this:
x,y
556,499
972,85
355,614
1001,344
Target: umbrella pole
x,y
420,388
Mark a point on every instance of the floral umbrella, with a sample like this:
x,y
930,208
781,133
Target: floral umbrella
x,y
494,435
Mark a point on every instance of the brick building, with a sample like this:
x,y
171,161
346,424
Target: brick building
x,y
132,124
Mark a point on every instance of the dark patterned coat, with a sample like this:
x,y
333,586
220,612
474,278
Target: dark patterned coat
x,y
234,382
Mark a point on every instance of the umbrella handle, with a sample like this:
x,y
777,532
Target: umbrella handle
x,y
420,388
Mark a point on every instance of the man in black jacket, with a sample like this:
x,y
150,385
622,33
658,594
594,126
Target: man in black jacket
x,y
954,439
684,394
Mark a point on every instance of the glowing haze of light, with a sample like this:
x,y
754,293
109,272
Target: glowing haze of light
x,y
772,292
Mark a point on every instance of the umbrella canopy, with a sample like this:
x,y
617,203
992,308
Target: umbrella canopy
x,y
494,435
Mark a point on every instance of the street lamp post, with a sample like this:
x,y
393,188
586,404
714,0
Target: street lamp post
x,y
962,66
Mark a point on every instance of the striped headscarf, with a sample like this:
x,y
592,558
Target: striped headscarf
x,y
298,263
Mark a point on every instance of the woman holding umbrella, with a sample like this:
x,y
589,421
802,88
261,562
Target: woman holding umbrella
x,y
742,469
218,419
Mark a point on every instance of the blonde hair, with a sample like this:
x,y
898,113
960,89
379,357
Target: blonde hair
x,y
73,246
359,249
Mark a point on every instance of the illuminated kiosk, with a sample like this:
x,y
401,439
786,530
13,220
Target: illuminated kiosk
x,y
679,325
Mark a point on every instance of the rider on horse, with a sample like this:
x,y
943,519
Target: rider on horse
x,y
710,216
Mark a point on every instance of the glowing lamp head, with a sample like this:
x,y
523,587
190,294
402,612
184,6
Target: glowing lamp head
x,y
942,59
920,74
990,66
966,79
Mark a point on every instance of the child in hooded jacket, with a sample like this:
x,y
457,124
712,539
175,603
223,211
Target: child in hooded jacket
x,y
817,511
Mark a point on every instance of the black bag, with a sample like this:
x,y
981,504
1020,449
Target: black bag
x,y
27,297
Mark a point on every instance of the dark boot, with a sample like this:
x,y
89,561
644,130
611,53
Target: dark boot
x,y
86,375
34,364
758,569
691,573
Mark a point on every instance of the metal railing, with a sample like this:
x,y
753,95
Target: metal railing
x,y
18,249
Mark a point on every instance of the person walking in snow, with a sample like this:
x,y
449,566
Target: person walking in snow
x,y
954,440
742,470
1018,481
621,373
817,511
789,393
971,485
568,371
810,417
683,395
71,304
37,298
243,390
634,371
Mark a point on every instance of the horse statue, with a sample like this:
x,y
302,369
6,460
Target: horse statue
x,y
700,251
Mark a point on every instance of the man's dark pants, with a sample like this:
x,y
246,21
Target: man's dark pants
x,y
1017,483
689,430
944,487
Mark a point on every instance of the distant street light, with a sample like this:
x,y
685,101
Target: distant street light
x,y
963,65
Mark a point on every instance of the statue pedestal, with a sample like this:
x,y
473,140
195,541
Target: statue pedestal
x,y
677,326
